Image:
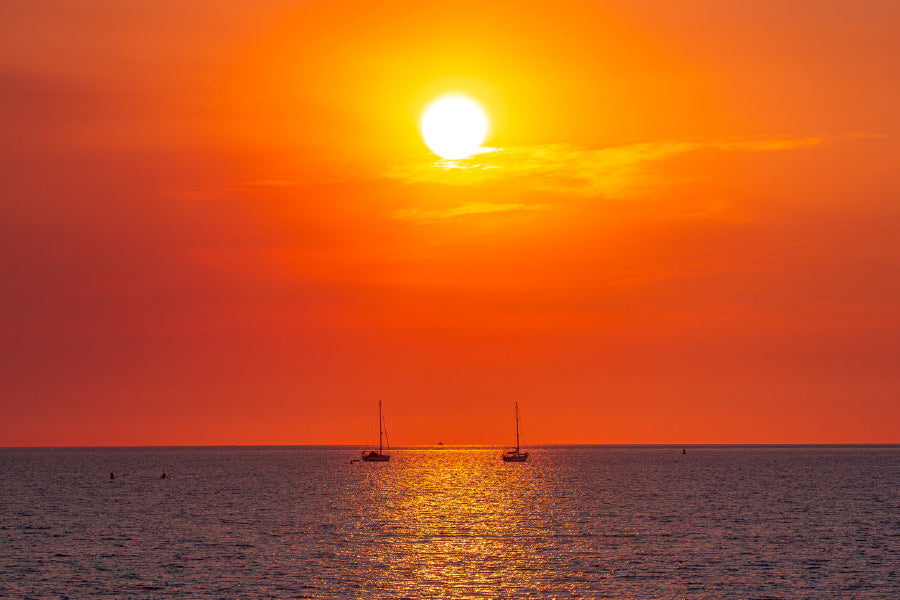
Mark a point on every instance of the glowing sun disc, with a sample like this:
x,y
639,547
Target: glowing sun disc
x,y
454,126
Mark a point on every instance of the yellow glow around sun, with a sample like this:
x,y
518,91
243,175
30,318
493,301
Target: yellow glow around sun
x,y
454,126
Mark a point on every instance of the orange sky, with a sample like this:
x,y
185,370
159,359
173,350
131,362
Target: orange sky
x,y
221,226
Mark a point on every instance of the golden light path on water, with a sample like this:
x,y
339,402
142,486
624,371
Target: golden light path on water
x,y
467,519
455,523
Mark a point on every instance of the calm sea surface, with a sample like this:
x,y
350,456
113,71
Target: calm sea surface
x,y
572,522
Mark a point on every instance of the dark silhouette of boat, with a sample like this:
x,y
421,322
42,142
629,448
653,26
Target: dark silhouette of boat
x,y
516,455
378,455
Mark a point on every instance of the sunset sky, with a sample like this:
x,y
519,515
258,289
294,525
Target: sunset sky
x,y
220,224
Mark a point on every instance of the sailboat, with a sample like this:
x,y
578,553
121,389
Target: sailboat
x,y
516,455
378,455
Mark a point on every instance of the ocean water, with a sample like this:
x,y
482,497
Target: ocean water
x,y
572,522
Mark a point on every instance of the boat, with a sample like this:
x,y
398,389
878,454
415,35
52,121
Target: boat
x,y
378,455
516,455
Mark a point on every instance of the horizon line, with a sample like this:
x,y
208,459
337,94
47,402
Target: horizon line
x,y
485,446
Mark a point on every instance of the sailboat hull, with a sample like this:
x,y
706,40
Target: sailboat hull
x,y
514,456
373,456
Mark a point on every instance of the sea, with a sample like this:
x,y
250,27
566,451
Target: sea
x,y
654,522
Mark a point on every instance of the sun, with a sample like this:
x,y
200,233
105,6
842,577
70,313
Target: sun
x,y
454,126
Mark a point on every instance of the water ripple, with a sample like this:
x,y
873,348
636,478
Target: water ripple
x,y
573,522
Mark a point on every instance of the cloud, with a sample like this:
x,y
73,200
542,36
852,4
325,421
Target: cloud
x,y
568,169
470,208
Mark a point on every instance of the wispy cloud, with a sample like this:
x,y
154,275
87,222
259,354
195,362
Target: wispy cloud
x,y
573,170
470,208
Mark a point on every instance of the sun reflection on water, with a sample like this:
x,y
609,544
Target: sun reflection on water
x,y
461,522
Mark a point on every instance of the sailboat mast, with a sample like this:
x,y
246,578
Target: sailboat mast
x,y
379,427
517,426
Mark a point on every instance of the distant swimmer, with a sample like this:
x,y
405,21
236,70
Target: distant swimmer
x,y
163,476
684,450
112,476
